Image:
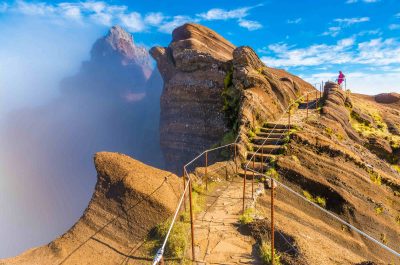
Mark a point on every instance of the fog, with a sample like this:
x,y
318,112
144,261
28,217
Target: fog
x,y
54,115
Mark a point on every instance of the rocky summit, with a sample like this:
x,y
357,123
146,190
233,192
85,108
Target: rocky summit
x,y
204,76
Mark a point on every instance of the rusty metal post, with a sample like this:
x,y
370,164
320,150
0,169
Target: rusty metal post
x,y
236,165
191,219
184,186
262,157
272,222
205,170
161,261
244,186
226,171
316,99
254,124
307,107
252,181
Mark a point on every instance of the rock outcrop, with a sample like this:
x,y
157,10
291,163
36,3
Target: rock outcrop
x,y
130,198
387,98
193,67
335,101
206,80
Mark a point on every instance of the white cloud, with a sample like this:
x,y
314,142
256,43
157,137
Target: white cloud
x,y
394,26
342,24
221,14
34,8
370,32
332,31
365,1
154,19
249,24
239,14
350,21
102,13
133,21
71,11
377,52
169,26
294,21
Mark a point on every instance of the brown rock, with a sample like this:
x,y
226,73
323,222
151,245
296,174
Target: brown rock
x,y
387,98
380,147
193,68
130,198
335,108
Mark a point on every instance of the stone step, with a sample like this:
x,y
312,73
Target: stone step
x,y
261,157
276,126
270,130
270,135
268,141
268,149
249,174
258,166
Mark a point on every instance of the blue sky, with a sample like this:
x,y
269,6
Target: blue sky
x,y
42,42
313,39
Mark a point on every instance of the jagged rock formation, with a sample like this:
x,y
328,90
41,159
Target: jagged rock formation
x,y
335,108
129,199
110,104
203,74
193,68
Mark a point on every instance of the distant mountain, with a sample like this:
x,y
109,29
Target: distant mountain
x,y
111,104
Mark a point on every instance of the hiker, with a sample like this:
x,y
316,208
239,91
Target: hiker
x,y
341,78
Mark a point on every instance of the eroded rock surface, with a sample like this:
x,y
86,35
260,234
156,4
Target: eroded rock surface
x,y
200,70
129,199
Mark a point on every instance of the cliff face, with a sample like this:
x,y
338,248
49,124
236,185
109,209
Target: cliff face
x,y
129,199
193,67
206,80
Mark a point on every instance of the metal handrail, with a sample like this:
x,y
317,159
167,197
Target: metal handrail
x,y
160,252
331,214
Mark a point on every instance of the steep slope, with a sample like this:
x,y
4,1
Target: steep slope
x,y
330,158
129,199
206,80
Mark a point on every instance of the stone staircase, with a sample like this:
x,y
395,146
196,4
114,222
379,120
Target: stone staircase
x,y
268,142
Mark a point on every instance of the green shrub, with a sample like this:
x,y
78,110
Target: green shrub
x,y
231,99
247,217
375,178
251,134
265,254
379,209
321,201
177,240
329,131
272,173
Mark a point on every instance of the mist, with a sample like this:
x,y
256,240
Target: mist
x,y
55,114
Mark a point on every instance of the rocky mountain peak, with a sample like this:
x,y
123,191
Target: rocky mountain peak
x,y
120,43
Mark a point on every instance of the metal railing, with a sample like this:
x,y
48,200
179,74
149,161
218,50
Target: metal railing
x,y
186,177
213,155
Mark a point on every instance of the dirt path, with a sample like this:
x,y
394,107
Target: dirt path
x,y
218,236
